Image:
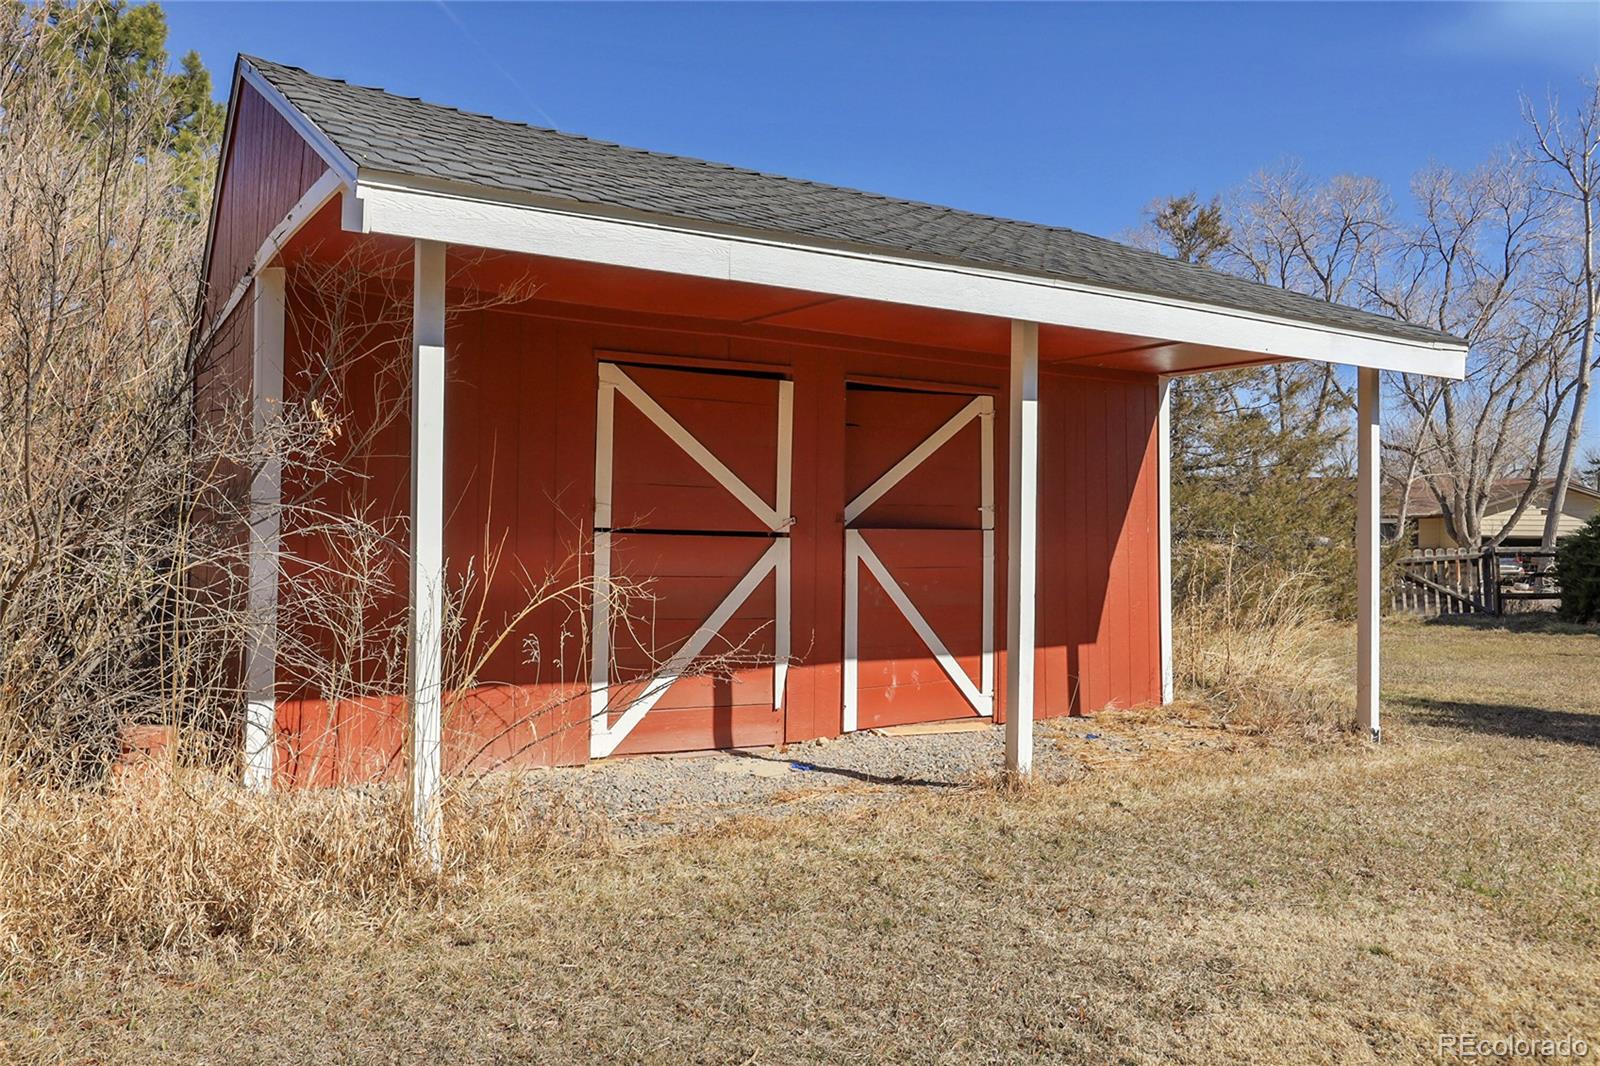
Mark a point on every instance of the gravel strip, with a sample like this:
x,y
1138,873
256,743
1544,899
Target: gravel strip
x,y
650,794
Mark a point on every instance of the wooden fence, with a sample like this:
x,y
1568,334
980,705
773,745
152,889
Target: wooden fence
x,y
1436,581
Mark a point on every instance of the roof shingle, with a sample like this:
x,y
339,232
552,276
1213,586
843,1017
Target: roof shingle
x,y
400,135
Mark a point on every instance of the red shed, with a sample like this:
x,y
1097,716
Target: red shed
x,y
881,461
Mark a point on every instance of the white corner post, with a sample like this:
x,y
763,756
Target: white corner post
x,y
424,665
1022,560
261,654
1164,527
1368,558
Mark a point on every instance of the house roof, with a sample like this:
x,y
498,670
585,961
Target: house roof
x,y
1504,492
395,135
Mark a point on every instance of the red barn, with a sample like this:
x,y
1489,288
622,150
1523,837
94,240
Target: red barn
x,y
879,461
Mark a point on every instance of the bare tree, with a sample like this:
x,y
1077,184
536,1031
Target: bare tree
x,y
1324,240
1481,262
1483,257
1258,454
99,550
1568,166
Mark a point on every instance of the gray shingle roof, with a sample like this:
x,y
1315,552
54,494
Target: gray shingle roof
x,y
401,135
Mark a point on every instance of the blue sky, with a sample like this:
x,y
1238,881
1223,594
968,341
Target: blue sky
x,y
1070,114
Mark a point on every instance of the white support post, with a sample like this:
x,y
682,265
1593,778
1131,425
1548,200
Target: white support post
x,y
1368,559
783,605
1164,527
1022,561
425,664
850,713
261,657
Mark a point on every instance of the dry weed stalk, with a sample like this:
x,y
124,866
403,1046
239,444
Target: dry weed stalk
x,y
189,861
1258,647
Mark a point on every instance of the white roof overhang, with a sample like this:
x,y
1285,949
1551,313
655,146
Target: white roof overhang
x,y
407,207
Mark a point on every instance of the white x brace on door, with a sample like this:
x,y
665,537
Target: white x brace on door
x,y
858,551
606,734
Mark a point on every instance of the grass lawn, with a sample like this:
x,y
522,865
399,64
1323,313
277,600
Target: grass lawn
x,y
1249,900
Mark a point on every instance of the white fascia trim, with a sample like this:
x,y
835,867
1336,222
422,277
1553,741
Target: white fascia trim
x,y
341,164
653,243
322,190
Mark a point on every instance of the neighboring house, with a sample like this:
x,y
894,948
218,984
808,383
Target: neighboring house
x,y
910,458
1429,529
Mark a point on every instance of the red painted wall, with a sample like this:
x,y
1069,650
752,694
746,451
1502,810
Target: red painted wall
x,y
1099,620
520,434
269,167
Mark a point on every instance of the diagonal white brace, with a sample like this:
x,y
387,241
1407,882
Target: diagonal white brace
x,y
603,738
914,458
980,701
626,386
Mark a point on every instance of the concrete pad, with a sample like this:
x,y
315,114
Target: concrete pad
x,y
923,729
752,767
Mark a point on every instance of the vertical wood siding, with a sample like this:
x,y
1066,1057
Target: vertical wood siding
x,y
520,433
1099,633
269,167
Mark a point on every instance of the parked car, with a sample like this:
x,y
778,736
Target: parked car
x,y
1513,566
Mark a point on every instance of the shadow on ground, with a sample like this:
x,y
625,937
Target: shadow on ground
x,y
1505,719
800,763
1527,622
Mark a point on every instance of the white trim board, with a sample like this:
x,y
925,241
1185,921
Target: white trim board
x,y
672,246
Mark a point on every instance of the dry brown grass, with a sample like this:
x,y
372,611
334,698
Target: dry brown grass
x,y
1266,900
164,862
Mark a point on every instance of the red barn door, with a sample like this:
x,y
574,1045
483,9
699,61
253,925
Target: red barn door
x,y
691,537
919,557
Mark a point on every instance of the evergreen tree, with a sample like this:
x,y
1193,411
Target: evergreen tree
x,y
1578,573
123,49
1192,232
